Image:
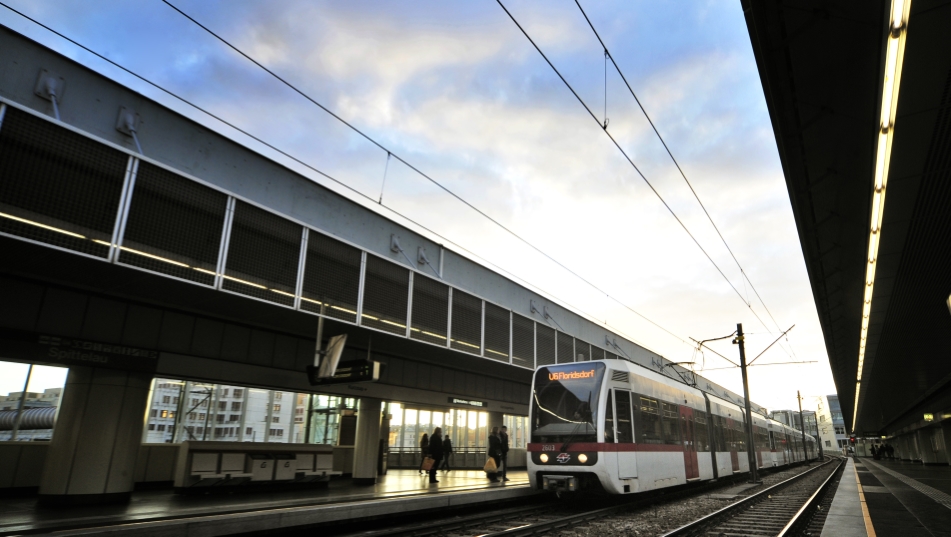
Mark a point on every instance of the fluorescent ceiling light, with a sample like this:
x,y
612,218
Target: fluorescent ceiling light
x,y
43,226
894,53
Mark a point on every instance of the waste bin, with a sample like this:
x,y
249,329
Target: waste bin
x,y
285,466
262,467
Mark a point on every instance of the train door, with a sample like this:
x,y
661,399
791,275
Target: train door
x,y
609,453
712,436
690,447
734,456
626,456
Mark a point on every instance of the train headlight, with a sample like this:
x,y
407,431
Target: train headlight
x,y
543,457
582,458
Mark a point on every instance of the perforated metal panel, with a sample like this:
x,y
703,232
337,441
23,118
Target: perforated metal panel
x,y
496,333
58,187
385,295
174,226
523,341
583,349
610,355
466,330
430,310
597,353
263,255
331,278
545,340
566,352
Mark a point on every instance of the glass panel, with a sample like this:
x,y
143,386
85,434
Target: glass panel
x,y
625,422
649,429
609,419
396,425
562,402
41,400
671,424
700,432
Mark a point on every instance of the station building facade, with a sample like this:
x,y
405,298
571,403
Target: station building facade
x,y
141,245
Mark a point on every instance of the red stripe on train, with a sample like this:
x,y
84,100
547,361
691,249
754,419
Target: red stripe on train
x,y
603,447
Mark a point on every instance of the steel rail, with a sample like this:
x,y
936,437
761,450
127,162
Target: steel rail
x,y
688,529
800,518
655,497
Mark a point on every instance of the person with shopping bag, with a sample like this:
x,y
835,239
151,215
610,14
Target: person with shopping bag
x,y
435,454
494,456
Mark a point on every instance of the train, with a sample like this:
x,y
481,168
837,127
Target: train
x,y
620,428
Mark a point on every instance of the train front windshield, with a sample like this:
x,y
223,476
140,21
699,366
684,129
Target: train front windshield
x,y
565,403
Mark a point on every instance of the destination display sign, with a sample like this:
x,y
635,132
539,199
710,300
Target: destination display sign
x,y
571,375
347,372
67,351
468,402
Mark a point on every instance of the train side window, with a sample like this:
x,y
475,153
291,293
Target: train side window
x,y
625,425
609,419
650,430
671,424
700,433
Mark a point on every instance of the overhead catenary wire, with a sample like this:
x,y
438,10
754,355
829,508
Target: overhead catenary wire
x,y
608,55
418,171
630,161
331,178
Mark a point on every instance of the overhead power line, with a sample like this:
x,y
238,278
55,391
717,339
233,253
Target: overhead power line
x,y
331,178
609,56
624,153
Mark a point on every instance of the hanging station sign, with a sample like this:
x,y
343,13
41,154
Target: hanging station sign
x,y
347,372
68,351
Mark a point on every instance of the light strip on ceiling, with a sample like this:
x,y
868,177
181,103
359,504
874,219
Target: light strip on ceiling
x,y
894,52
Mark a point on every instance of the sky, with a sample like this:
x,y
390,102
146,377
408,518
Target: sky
x,y
456,90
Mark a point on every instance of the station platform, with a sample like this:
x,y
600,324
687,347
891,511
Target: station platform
x,y
163,512
890,498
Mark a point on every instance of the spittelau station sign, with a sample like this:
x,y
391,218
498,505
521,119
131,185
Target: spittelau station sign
x,y
45,348
467,402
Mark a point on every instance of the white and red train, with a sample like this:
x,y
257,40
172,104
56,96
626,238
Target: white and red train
x,y
617,426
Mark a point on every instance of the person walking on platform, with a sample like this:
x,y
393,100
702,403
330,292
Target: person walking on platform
x,y
890,451
504,440
495,453
423,450
435,452
446,452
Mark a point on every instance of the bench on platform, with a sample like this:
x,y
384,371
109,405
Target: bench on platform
x,y
236,464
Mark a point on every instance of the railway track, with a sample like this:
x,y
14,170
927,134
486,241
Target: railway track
x,y
550,517
785,509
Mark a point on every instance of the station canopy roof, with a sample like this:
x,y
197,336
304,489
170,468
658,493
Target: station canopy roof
x,y
823,67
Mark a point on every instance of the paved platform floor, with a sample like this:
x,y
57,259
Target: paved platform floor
x,y
900,499
341,499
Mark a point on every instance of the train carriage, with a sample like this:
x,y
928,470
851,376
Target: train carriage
x,y
617,426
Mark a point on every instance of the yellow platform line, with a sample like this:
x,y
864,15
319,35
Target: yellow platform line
x,y
868,521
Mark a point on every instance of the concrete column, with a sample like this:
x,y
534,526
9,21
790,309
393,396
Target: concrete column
x,y
941,445
367,441
495,420
91,458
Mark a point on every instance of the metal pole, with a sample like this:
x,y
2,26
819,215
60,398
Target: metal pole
x,y
751,455
802,423
26,385
310,416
